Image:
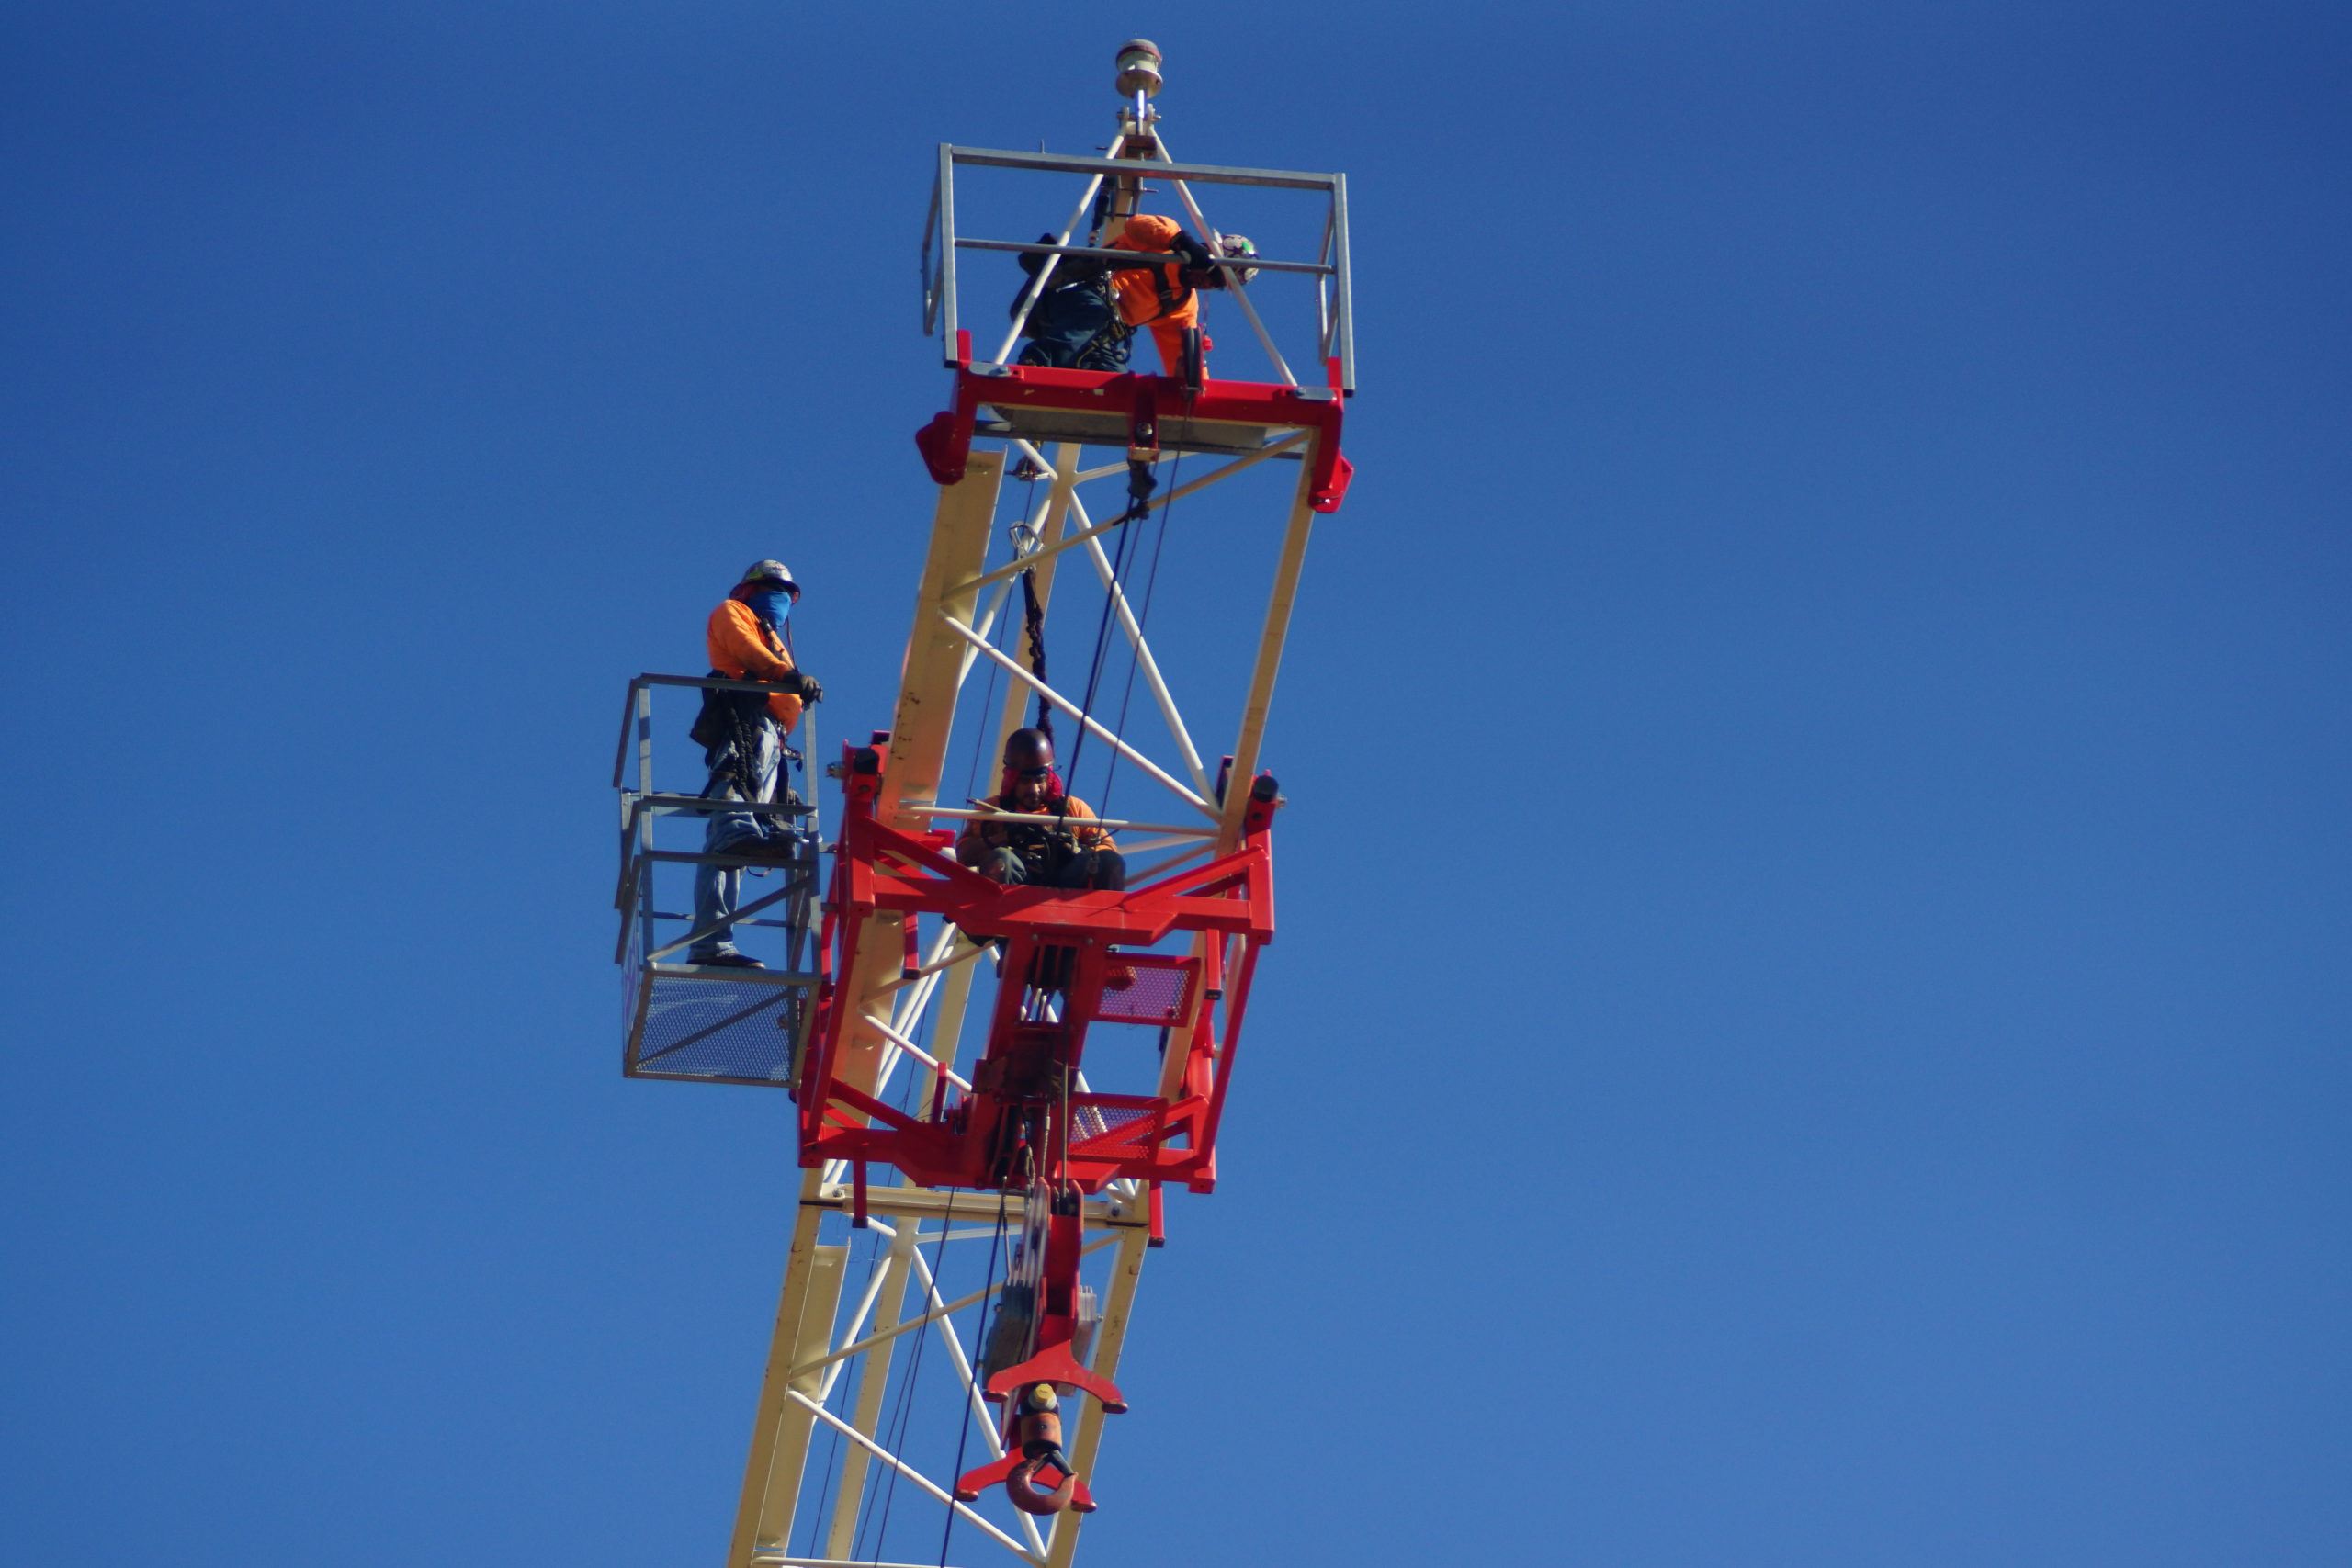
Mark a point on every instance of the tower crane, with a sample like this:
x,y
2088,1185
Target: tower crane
x,y
995,1084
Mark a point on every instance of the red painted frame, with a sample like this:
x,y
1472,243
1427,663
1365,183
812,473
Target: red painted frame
x,y
962,1142
946,441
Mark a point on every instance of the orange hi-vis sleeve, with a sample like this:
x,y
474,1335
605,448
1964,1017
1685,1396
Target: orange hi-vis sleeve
x,y
740,645
1139,287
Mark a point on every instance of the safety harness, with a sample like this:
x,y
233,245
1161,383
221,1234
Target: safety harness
x,y
733,720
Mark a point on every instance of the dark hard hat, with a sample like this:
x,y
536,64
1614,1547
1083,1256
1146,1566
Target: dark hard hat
x,y
1023,747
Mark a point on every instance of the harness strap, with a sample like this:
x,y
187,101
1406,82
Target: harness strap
x,y
1170,287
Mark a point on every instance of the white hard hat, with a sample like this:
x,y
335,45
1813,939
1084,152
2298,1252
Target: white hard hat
x,y
771,571
1234,247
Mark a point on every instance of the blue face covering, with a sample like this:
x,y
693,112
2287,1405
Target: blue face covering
x,y
774,607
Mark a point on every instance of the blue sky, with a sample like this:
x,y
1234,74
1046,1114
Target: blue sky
x,y
1808,1027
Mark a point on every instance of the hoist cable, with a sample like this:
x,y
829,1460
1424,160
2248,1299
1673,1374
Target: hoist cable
x,y
980,1345
906,1396
832,1451
874,1478
1032,626
1143,620
1033,615
980,731
1119,559
981,727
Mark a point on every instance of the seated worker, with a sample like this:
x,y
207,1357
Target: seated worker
x,y
742,737
1078,857
1072,326
1165,297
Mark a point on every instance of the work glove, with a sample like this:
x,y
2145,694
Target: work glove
x,y
1198,269
802,685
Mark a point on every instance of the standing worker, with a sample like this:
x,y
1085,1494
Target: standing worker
x,y
743,736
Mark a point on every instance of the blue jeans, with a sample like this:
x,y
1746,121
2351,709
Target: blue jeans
x,y
1074,326
720,891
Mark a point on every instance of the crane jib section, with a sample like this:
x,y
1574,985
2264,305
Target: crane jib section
x,y
1016,1073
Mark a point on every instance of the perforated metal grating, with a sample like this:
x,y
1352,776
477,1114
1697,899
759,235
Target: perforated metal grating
x,y
632,983
1161,993
714,1029
1093,1121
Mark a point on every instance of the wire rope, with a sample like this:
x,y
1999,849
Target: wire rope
x,y
979,1344
1123,549
888,1489
924,1029
981,727
832,1453
1143,620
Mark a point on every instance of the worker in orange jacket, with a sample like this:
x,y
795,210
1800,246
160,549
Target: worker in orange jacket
x,y
742,736
1075,852
1165,297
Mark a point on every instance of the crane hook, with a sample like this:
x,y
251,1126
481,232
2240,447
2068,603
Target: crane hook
x,y
1038,1435
1034,1434
1022,1490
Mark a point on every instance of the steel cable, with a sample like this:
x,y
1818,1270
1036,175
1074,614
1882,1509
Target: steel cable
x,y
964,1429
906,1397
1123,549
1143,620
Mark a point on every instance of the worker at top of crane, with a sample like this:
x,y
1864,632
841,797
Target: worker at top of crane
x,y
742,737
1072,324
1165,296
1076,854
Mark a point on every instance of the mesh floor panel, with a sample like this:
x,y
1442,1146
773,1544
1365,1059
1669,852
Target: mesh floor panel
x,y
718,1030
1160,994
632,982
1093,1121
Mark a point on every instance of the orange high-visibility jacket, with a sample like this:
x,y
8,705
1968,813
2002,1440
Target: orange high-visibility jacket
x,y
980,834
741,645
1140,289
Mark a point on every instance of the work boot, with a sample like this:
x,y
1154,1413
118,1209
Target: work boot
x,y
727,961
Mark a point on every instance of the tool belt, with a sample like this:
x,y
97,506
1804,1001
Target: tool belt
x,y
1043,851
731,721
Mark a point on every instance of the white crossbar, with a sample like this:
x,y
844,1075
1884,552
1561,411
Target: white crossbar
x,y
1094,726
911,1473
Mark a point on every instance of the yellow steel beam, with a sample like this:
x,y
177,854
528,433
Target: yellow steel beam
x,y
812,1295
959,543
1269,652
1126,1273
959,539
873,1379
